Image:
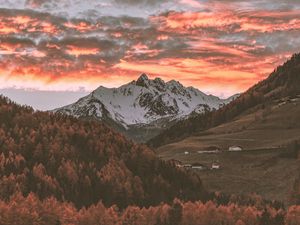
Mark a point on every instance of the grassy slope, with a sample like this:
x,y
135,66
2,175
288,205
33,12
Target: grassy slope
x,y
264,171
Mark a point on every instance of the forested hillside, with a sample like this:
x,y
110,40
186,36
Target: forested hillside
x,y
283,82
83,162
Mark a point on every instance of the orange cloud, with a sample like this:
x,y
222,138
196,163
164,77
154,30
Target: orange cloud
x,y
25,24
22,20
6,29
141,49
78,51
205,74
9,47
162,37
221,49
260,21
213,45
117,34
81,26
61,76
183,21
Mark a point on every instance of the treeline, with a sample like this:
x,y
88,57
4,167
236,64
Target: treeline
x,y
83,162
283,82
30,210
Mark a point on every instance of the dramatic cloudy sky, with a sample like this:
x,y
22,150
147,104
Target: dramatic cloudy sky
x,y
53,51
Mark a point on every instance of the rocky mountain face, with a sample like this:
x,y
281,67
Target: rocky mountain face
x,y
142,108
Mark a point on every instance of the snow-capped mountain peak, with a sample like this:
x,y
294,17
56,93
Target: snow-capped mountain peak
x,y
144,101
143,81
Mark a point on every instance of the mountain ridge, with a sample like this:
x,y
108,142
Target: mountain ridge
x,y
143,103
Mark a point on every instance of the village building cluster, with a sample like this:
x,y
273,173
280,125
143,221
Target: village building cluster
x,y
214,165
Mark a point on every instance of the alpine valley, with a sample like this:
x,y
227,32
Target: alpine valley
x,y
143,108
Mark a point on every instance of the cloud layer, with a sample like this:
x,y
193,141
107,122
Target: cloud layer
x,y
221,46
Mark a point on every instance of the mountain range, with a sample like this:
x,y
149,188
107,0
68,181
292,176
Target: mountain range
x,y
143,108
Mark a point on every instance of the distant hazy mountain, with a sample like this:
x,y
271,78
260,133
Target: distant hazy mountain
x,y
142,108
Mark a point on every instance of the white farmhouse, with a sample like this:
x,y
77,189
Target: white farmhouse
x,y
198,166
215,166
235,148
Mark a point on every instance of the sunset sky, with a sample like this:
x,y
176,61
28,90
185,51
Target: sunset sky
x,y
54,51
